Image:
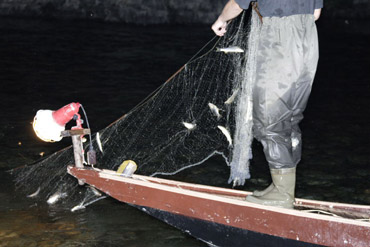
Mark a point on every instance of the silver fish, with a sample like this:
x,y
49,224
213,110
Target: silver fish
x,y
215,110
78,207
95,191
231,49
226,134
34,194
295,142
189,126
98,141
56,197
83,205
232,97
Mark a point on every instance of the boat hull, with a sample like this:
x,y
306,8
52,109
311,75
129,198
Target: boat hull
x,y
221,215
216,234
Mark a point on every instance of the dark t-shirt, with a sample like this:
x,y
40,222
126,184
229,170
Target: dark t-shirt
x,y
280,8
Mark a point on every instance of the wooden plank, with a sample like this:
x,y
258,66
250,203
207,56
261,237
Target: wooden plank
x,y
67,133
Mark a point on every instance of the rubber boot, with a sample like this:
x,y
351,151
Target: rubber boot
x,y
282,195
265,191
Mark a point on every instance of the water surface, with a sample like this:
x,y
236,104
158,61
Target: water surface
x,y
110,68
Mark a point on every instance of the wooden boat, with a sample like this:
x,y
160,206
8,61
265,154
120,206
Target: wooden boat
x,y
221,217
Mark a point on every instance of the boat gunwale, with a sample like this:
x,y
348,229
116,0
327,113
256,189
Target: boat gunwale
x,y
170,187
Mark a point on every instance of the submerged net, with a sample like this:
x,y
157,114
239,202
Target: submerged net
x,y
205,109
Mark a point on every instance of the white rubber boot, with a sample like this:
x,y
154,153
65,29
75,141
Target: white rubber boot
x,y
282,193
265,191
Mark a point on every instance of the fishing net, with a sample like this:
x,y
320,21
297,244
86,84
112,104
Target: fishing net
x,y
203,110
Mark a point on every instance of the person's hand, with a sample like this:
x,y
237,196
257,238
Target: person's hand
x,y
219,27
317,14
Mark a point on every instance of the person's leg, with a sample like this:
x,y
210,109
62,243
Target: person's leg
x,y
279,64
286,64
304,85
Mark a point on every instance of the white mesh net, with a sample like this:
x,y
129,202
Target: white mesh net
x,y
205,109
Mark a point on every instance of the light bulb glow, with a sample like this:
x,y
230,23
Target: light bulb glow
x,y
46,128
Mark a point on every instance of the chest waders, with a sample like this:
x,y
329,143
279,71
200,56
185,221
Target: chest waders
x,y
287,57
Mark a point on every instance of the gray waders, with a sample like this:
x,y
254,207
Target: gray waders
x,y
287,58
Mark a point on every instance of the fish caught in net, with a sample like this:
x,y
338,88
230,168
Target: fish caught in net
x,y
203,110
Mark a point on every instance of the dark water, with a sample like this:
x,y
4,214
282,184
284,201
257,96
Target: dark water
x,y
110,68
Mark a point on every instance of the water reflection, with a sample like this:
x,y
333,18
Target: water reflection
x,y
24,222
32,228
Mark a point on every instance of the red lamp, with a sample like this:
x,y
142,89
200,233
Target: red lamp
x,y
49,124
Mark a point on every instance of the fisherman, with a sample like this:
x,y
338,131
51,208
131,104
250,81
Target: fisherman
x,y
287,57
